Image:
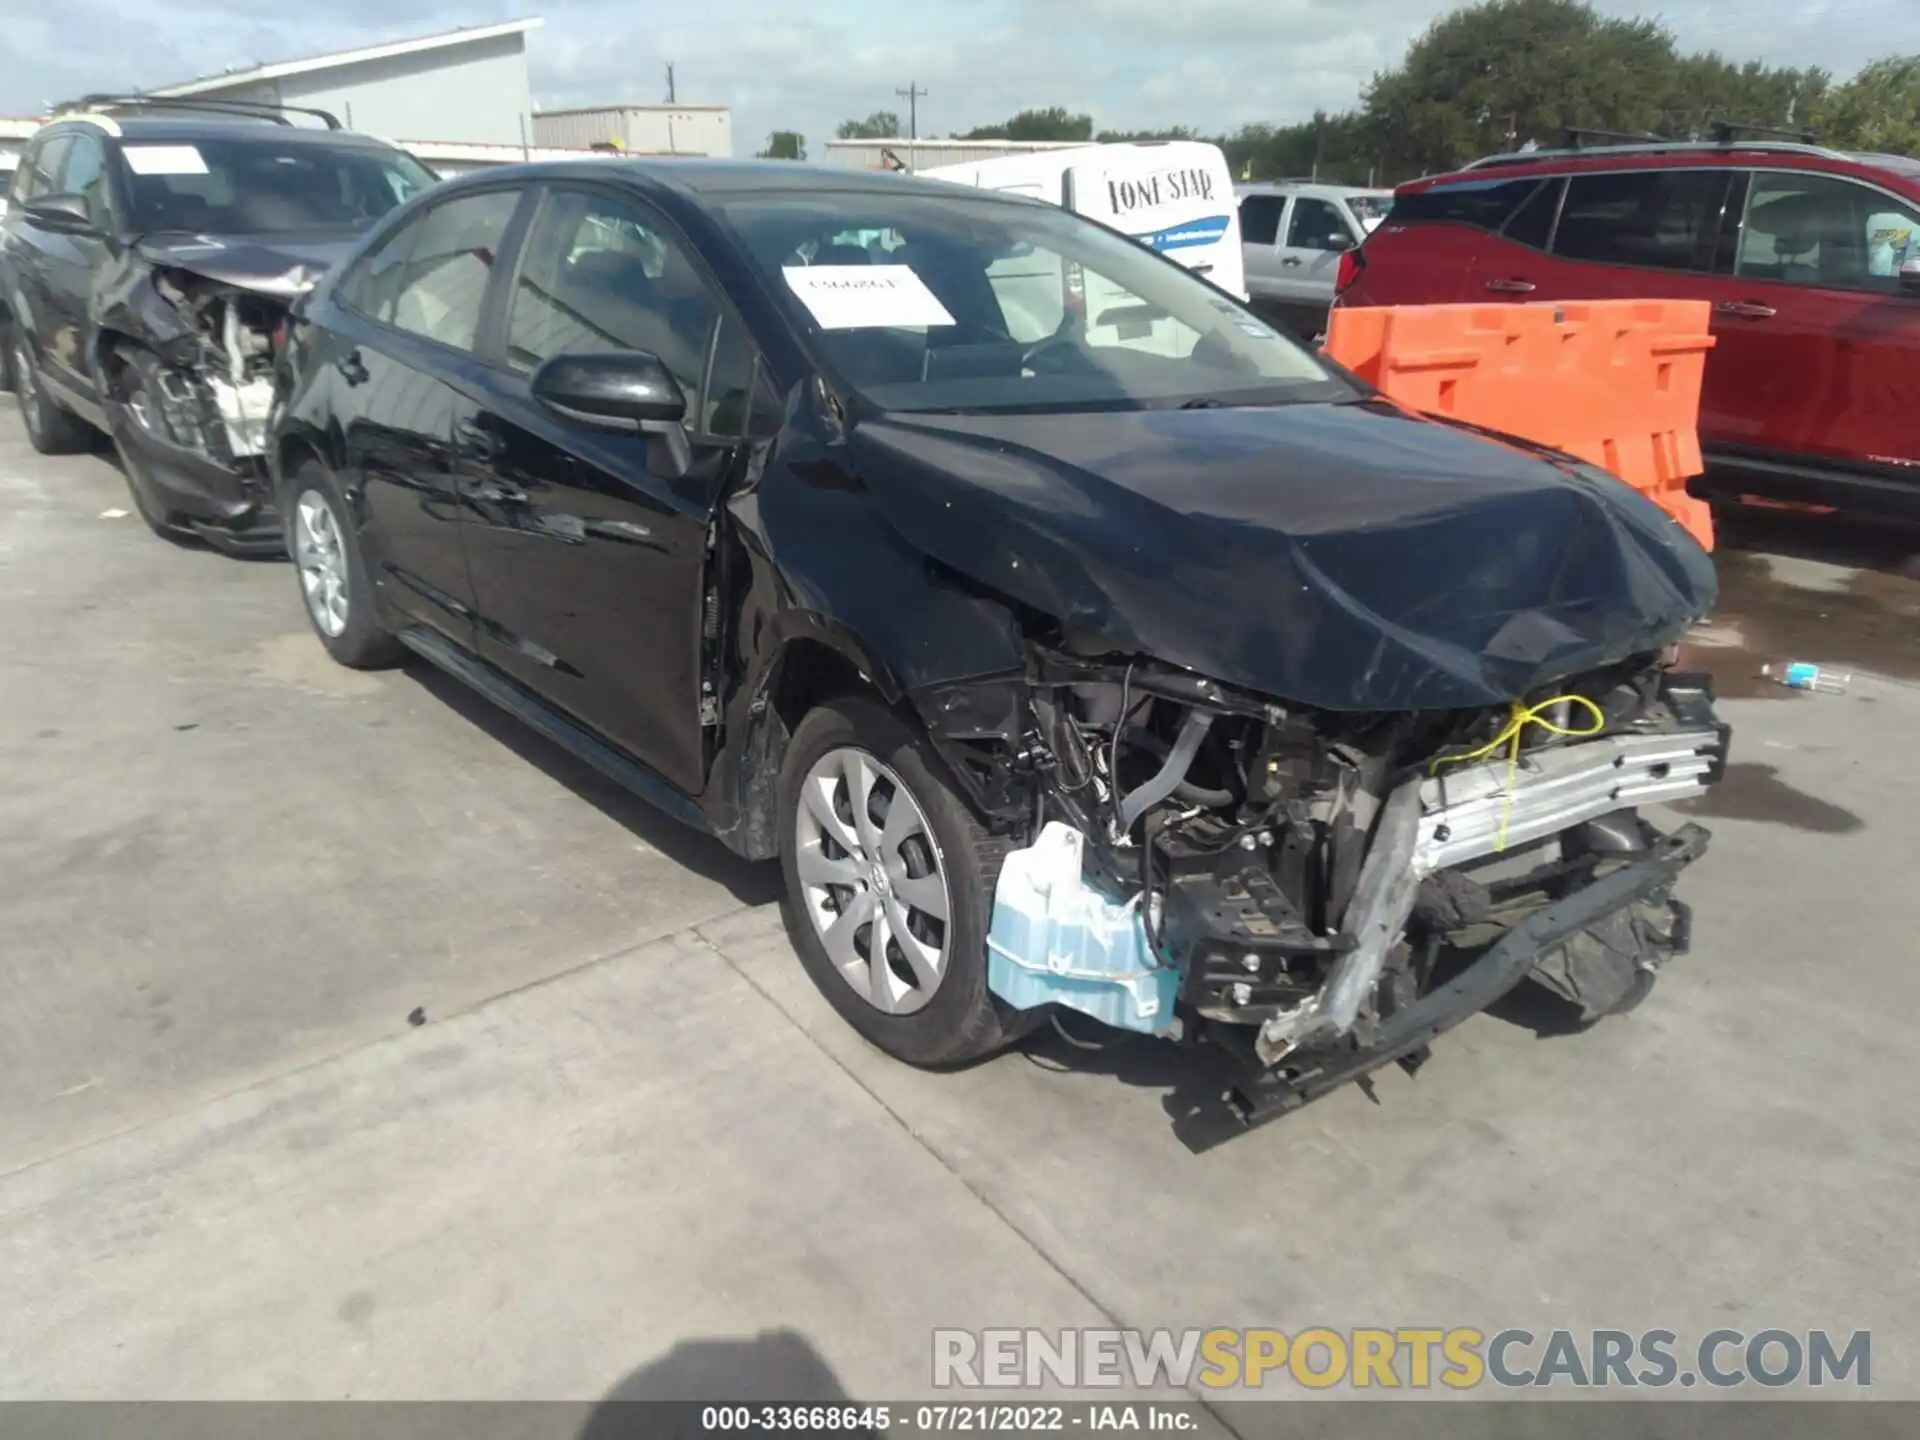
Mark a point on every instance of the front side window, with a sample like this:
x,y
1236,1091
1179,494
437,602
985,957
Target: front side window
x,y
599,273
40,171
85,175
1821,230
1662,219
441,287
1316,225
1260,219
263,185
988,306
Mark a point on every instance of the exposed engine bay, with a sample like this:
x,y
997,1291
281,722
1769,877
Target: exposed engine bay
x,y
212,394
1295,885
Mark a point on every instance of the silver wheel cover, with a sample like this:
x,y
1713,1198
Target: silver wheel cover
x,y
321,556
873,881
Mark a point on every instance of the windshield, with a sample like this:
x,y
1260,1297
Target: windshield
x,y
931,303
1370,210
258,185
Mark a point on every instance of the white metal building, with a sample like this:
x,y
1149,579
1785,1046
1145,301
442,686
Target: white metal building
x,y
640,129
924,154
468,86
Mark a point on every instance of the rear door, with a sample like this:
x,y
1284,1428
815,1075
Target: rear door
x,y
410,374
1654,234
1819,346
588,547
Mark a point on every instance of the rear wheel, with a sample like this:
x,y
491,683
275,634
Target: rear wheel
x,y
334,585
890,887
50,430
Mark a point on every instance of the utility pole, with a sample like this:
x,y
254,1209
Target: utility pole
x,y
912,95
672,98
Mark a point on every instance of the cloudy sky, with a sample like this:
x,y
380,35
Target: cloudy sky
x,y
1131,63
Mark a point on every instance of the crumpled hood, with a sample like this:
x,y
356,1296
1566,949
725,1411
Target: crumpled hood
x,y
280,265
1346,557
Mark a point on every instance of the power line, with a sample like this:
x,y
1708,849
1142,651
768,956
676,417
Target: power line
x,y
912,95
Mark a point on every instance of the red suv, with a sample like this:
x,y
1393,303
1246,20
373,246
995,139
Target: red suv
x,y
1809,257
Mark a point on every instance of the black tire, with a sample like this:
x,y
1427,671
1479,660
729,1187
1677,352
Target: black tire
x,y
50,430
962,1020
361,642
6,351
135,369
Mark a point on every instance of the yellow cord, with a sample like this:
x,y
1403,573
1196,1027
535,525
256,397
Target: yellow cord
x,y
1509,737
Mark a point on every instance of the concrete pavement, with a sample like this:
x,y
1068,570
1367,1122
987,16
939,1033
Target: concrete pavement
x,y
229,1167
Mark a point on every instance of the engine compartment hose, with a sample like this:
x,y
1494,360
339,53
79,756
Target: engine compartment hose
x,y
1143,798
1186,789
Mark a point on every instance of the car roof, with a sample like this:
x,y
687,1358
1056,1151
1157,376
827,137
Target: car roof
x,y
186,129
699,178
1776,155
1306,187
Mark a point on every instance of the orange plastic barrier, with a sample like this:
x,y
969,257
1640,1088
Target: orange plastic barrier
x,y
1615,382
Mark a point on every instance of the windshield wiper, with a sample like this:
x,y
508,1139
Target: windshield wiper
x,y
1203,402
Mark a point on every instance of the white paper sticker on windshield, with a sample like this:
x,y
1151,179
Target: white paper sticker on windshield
x,y
866,297
164,160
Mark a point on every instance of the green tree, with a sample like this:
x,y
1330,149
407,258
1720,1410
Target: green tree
x,y
1708,89
785,145
1497,74
880,125
1055,123
1878,109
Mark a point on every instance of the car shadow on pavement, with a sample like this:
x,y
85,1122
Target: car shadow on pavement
x,y
749,882
775,1367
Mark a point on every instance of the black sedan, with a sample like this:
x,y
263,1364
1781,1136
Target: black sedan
x,y
1084,649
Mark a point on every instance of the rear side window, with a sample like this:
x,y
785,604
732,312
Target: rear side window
x,y
1532,223
1260,219
1484,204
1661,219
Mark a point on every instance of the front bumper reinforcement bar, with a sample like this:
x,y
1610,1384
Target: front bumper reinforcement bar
x,y
1268,1093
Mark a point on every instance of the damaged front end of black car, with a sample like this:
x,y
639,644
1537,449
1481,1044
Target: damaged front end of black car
x,y
1308,770
186,337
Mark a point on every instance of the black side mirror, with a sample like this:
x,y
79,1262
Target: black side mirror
x,y
64,214
1339,241
620,390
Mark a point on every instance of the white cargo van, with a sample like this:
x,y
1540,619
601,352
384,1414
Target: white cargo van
x,y
1175,196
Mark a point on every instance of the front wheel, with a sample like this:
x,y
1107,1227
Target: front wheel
x,y
890,886
334,584
50,430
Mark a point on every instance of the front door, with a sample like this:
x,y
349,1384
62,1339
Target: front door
x,y
410,366
588,549
1317,234
1818,352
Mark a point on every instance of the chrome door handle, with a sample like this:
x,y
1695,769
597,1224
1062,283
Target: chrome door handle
x,y
1750,309
1511,287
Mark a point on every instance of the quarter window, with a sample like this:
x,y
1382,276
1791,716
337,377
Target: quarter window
x,y
601,274
1316,225
1664,219
1532,223
1819,230
442,286
1485,204
1260,219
